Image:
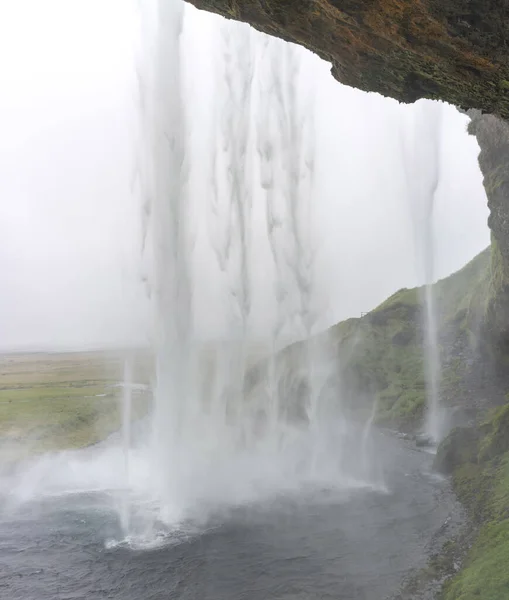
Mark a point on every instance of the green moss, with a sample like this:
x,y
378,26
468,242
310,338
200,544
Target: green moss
x,y
461,296
383,349
482,484
473,485
496,440
499,502
485,576
485,573
459,448
402,298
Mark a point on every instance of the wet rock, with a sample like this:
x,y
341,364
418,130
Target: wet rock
x,y
424,441
458,448
399,48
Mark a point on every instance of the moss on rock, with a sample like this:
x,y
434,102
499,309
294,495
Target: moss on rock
x,y
406,49
458,448
382,352
492,135
479,461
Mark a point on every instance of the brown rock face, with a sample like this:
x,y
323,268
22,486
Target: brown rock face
x,y
453,50
492,134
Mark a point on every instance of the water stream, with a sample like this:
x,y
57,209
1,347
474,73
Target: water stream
x,y
127,397
227,427
422,168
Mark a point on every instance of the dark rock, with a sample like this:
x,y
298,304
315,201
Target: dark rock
x,y
403,338
424,441
400,48
458,448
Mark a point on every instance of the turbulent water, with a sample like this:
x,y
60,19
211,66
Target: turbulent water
x,y
354,544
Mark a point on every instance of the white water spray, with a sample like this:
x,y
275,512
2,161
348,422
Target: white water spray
x,y
127,395
215,435
227,427
423,177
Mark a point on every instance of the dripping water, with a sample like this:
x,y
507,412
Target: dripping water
x,y
423,178
228,429
127,391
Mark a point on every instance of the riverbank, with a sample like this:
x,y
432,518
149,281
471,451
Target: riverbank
x,y
348,542
471,562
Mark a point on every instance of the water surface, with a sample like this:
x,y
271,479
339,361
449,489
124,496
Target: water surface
x,y
351,545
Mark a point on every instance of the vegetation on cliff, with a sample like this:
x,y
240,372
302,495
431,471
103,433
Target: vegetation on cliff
x,y
381,353
478,459
493,137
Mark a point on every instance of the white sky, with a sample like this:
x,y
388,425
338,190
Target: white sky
x,y
69,227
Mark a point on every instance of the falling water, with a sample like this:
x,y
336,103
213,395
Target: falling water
x,y
285,136
423,176
127,391
172,294
226,429
367,435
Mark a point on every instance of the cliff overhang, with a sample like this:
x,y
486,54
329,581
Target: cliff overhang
x,y
452,50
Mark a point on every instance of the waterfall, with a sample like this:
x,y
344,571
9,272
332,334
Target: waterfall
x,y
423,177
127,391
229,426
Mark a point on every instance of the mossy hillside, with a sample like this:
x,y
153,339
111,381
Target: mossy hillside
x,y
461,298
481,480
382,353
382,356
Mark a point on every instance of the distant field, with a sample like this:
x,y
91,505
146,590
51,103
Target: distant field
x,y
71,400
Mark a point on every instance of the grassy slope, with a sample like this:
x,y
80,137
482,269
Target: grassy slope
x,y
382,352
54,401
481,480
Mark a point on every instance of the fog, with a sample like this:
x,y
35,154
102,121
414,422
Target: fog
x,y
70,230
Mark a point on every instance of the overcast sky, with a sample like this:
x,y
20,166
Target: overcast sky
x,y
70,226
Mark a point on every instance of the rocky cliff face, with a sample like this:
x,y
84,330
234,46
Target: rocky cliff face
x,y
454,50
492,134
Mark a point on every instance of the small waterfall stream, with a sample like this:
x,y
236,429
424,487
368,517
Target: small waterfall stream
x,y
127,399
422,169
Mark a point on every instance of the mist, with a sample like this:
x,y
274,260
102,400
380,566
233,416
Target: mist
x,y
71,228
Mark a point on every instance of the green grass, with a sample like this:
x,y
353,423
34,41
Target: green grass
x,y
482,484
485,573
382,353
54,402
